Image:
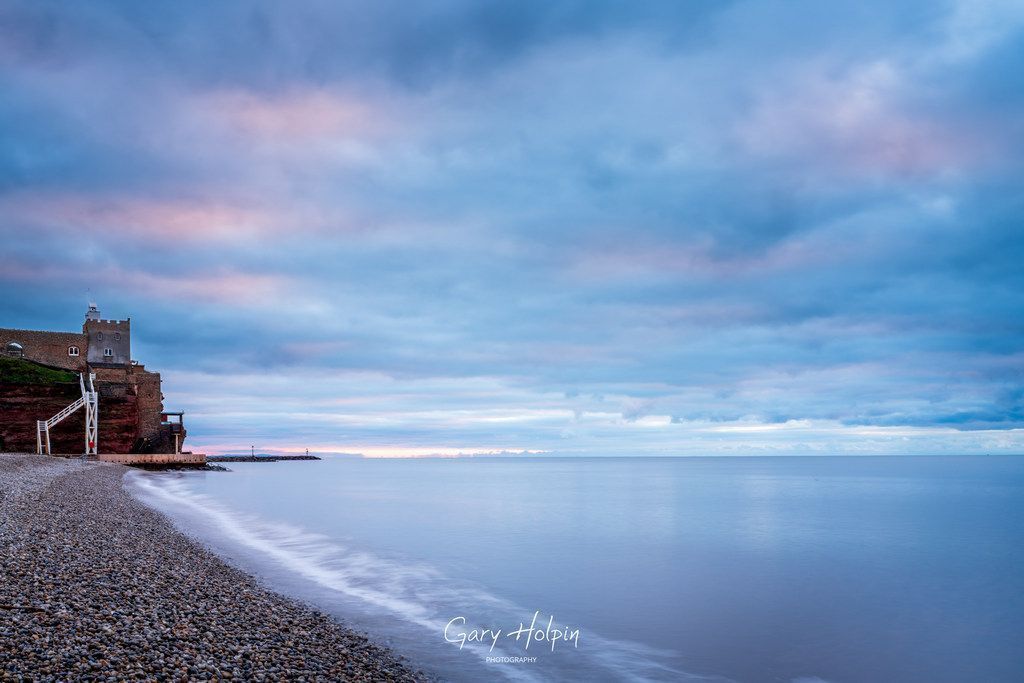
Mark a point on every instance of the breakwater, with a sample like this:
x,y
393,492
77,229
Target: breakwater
x,y
258,458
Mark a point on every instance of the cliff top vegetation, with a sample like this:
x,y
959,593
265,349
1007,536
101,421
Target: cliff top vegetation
x,y
21,371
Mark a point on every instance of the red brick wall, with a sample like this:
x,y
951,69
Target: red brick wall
x,y
112,374
48,348
151,401
118,417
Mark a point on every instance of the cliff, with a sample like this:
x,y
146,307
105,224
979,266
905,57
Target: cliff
x,y
31,392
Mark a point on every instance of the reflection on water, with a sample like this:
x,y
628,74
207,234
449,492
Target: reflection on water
x,y
746,569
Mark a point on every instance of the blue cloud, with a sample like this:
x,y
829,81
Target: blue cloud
x,y
573,227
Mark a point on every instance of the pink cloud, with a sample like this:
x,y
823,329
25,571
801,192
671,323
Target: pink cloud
x,y
225,287
855,122
162,219
296,115
181,220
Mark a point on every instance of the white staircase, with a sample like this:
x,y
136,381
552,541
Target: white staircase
x,y
89,399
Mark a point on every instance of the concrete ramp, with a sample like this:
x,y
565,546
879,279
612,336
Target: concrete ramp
x,y
154,458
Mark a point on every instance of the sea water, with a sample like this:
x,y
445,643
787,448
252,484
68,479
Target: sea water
x,y
801,569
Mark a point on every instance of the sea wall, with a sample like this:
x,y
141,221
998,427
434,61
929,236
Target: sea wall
x,y
154,458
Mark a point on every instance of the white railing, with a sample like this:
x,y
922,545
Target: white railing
x,y
92,416
64,413
89,399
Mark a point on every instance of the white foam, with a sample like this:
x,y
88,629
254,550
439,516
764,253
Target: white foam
x,y
415,593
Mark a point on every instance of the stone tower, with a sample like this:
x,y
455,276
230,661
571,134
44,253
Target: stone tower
x,y
108,341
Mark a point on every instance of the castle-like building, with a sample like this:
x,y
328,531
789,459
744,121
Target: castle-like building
x,y
132,415
102,344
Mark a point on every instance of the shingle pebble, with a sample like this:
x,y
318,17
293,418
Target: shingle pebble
x,y
94,586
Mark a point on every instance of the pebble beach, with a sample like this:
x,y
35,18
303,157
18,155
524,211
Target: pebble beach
x,y
95,586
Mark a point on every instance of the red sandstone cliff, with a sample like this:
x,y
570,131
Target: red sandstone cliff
x,y
130,405
22,404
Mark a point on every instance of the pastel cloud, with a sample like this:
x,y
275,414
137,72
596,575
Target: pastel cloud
x,y
856,123
307,115
569,227
221,287
158,220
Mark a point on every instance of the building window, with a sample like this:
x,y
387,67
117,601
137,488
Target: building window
x,y
107,353
99,335
72,350
117,336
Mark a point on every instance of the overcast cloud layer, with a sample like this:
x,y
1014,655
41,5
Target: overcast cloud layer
x,y
575,227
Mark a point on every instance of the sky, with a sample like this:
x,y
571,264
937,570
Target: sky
x,y
573,228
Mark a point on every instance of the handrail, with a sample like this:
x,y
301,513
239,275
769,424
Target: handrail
x,y
65,412
89,399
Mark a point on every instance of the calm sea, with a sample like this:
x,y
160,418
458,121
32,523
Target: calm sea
x,y
804,569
